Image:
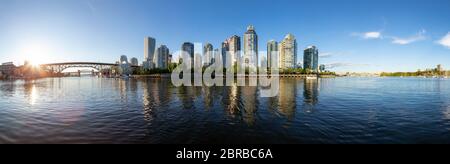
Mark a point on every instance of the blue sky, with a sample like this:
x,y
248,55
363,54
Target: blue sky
x,y
352,35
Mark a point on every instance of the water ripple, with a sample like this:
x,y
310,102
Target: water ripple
x,y
341,110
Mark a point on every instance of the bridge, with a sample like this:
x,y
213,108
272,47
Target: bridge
x,y
60,67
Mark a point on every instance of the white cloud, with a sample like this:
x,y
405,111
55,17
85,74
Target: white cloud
x,y
326,55
372,35
368,35
445,41
404,41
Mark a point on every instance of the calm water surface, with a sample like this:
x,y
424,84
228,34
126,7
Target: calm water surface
x,y
340,110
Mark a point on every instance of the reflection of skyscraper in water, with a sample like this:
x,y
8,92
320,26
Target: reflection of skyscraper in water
x,y
133,86
146,100
287,97
187,95
154,90
311,92
208,97
155,93
250,103
123,90
231,99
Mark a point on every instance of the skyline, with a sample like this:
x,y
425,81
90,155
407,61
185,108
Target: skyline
x,y
353,36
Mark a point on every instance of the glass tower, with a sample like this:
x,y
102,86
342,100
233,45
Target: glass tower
x,y
149,48
188,48
162,57
311,59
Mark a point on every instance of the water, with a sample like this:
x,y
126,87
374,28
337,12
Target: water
x,y
340,110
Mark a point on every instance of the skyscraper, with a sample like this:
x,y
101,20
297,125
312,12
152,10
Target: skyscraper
x,y
124,65
198,60
234,48
188,48
272,52
149,48
225,49
149,52
288,52
311,59
134,62
251,47
215,54
161,58
208,54
123,59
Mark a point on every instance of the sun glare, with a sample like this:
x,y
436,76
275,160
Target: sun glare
x,y
34,62
36,54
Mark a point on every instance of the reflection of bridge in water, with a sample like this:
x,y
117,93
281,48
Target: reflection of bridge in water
x,y
60,67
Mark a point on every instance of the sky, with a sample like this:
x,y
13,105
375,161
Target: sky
x,y
352,35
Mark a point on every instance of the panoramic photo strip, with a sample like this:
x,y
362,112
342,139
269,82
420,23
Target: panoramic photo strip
x,y
234,72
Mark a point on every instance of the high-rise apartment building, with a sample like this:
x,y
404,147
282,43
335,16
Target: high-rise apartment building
x,y
251,47
234,48
288,52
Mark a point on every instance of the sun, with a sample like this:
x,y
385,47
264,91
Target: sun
x,y
34,62
36,54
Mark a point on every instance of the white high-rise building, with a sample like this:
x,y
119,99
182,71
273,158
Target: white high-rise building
x,y
288,52
251,47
